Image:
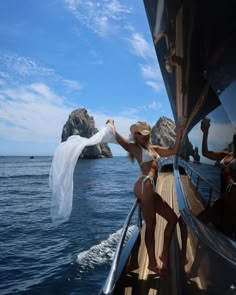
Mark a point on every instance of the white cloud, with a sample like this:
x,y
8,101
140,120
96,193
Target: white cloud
x,y
32,113
131,112
150,70
25,70
152,76
21,66
140,47
102,17
35,113
154,106
125,118
122,122
32,93
73,84
134,113
157,86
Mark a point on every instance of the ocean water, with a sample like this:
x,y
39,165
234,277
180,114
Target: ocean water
x,y
40,258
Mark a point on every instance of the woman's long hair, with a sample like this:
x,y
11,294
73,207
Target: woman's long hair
x,y
130,156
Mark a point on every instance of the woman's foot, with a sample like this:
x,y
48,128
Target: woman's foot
x,y
154,268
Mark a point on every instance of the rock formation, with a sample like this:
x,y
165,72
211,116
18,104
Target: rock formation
x,y
164,133
80,123
188,150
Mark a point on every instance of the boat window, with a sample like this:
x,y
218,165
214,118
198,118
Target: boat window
x,y
220,133
217,166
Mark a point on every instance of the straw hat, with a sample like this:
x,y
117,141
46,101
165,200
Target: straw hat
x,y
141,127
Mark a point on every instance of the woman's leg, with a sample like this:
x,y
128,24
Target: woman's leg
x,y
164,210
184,237
133,262
152,203
147,204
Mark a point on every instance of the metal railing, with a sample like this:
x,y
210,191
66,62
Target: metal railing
x,y
112,276
212,239
196,179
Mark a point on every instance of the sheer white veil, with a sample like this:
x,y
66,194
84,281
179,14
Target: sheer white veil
x,y
62,170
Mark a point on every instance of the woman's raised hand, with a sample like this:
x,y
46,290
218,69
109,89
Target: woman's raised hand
x,y
205,125
110,121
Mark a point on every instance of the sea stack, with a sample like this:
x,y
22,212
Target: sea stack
x,y
80,123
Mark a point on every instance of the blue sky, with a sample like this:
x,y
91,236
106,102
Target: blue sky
x,y
59,55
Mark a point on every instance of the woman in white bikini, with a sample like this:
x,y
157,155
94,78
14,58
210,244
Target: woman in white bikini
x,y
145,187
222,212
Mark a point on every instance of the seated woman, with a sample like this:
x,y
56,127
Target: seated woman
x,y
222,212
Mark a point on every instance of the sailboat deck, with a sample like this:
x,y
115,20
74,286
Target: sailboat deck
x,y
144,281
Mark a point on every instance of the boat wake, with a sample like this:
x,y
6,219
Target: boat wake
x,y
102,253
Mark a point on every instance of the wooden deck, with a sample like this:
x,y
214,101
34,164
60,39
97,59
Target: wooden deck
x,y
143,281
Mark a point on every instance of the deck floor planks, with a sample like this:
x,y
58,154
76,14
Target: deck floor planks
x,y
145,282
196,206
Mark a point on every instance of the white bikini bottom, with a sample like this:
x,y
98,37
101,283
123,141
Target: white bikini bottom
x,y
146,177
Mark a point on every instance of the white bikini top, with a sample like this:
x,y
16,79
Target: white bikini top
x,y
231,164
147,156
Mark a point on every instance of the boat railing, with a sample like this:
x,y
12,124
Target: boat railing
x,y
196,179
219,243
112,276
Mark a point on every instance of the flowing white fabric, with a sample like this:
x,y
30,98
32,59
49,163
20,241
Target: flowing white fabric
x,y
62,170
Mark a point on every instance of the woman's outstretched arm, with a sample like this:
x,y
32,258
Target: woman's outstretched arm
x,y
167,151
124,142
212,155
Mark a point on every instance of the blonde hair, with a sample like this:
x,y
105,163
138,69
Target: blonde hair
x,y
131,156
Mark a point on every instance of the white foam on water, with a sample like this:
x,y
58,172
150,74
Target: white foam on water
x,y
102,253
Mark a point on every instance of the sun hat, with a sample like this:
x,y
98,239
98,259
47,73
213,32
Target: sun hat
x,y
142,127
